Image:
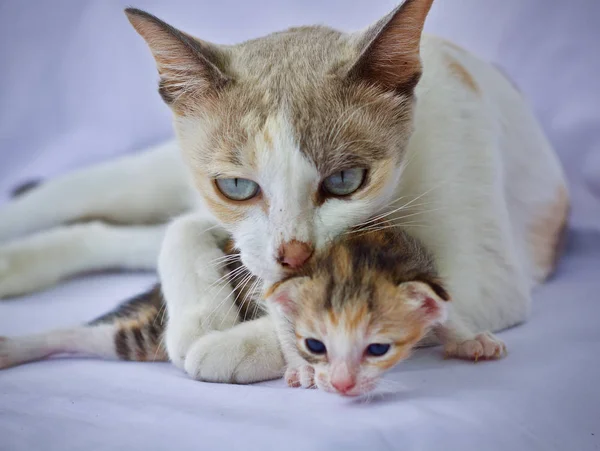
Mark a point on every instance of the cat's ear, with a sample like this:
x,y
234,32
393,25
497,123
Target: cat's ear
x,y
428,304
389,51
188,67
284,295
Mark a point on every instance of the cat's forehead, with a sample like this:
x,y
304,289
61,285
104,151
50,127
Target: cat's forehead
x,y
292,82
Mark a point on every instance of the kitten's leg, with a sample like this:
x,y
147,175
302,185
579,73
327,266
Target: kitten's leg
x,y
95,341
144,188
198,295
118,341
40,260
246,353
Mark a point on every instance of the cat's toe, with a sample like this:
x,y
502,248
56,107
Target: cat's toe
x,y
223,356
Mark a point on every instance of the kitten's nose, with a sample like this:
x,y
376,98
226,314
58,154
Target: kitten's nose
x,y
294,254
343,385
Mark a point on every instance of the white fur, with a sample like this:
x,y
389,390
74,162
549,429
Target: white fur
x,y
40,260
468,160
95,341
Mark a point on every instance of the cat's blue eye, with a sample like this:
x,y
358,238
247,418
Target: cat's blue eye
x,y
378,349
238,189
315,346
345,182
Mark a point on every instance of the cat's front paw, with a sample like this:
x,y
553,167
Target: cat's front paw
x,y
300,376
229,357
22,270
484,346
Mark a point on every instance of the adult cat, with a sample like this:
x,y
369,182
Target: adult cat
x,y
291,139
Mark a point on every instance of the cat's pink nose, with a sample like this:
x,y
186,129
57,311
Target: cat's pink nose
x,y
344,385
294,254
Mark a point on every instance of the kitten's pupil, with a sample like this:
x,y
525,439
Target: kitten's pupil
x,y
315,346
378,349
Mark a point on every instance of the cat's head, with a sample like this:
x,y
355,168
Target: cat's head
x,y
294,137
360,308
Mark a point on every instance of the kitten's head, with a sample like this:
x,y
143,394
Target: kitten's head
x,y
360,307
294,137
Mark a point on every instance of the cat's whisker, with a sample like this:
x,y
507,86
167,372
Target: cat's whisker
x,y
239,289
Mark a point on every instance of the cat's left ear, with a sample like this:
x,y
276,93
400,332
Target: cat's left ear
x,y
428,303
284,295
389,51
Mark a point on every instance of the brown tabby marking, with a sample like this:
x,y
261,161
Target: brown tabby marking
x,y
140,324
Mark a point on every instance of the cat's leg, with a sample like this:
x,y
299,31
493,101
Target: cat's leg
x,y
144,188
197,292
40,260
246,353
97,341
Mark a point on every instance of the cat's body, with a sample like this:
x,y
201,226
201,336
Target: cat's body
x,y
460,159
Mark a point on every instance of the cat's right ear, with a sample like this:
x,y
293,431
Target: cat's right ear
x,y
389,51
188,67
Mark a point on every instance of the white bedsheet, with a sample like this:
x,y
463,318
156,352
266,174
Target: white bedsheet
x,y
78,86
543,396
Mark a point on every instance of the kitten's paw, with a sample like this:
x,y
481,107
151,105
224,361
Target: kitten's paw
x,y
484,346
228,357
301,376
22,271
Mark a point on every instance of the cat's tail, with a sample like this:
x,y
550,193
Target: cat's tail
x,y
133,331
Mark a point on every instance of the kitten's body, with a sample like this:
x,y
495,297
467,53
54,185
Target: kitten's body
x,y
477,181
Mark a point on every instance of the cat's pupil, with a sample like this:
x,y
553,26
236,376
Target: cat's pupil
x,y
315,346
378,349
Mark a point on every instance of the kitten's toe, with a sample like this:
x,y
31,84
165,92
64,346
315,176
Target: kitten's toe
x,y
292,377
307,376
484,346
301,376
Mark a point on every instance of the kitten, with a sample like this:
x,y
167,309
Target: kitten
x,y
359,307
289,140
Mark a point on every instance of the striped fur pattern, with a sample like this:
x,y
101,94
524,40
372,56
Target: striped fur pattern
x,y
133,331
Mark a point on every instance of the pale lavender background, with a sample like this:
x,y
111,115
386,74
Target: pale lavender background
x,y
78,86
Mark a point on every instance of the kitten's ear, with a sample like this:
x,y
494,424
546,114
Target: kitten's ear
x,y
284,295
187,66
389,50
428,306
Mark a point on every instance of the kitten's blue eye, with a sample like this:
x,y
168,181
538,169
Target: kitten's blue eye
x,y
315,346
238,189
378,349
344,182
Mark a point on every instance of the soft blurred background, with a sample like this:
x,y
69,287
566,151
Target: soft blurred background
x,y
78,86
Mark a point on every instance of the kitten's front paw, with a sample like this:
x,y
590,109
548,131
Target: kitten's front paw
x,y
301,376
227,357
484,346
